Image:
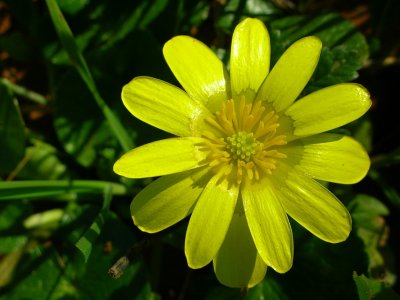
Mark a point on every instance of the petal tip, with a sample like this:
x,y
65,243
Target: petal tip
x,y
364,96
118,168
251,22
313,42
282,268
193,262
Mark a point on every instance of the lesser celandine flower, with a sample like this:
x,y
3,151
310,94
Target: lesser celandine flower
x,y
247,153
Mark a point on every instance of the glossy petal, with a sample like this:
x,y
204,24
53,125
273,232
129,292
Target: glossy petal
x,y
238,264
209,222
329,108
166,201
269,226
315,208
161,158
164,106
250,56
331,157
199,70
291,73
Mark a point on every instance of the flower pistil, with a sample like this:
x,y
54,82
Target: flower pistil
x,y
242,141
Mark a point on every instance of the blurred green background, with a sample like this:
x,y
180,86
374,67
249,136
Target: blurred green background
x,y
64,215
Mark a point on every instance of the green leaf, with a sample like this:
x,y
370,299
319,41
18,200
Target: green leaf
x,y
12,234
345,50
68,41
367,213
83,132
60,274
45,275
233,11
59,56
12,132
16,45
42,162
46,219
11,215
94,282
373,289
269,288
86,241
363,133
322,270
131,16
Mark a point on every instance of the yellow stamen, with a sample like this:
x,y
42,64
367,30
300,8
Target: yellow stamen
x,y
242,144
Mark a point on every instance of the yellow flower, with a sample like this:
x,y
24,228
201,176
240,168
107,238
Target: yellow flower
x,y
247,154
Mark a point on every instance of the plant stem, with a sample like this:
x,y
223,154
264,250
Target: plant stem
x,y
22,91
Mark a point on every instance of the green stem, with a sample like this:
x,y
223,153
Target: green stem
x,y
10,190
22,91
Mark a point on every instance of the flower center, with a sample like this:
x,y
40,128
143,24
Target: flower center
x,y
242,145
242,142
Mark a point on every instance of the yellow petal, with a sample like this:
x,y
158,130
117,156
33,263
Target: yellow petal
x,y
331,157
209,222
238,264
164,106
314,207
250,56
166,201
291,73
161,158
269,226
329,108
199,70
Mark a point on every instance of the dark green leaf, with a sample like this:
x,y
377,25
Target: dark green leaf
x,y
322,270
269,288
93,280
390,191
234,11
387,159
363,133
61,276
12,234
367,213
345,50
77,59
83,132
16,45
12,132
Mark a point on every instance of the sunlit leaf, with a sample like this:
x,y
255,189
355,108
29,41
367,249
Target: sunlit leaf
x,y
86,241
42,162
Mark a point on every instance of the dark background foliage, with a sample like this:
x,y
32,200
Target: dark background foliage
x,y
64,215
